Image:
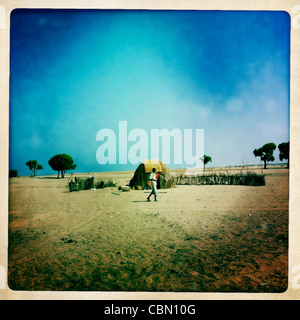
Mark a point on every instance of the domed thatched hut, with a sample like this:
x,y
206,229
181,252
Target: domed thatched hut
x,y
141,175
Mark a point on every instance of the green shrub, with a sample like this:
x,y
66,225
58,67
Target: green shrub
x,y
81,184
73,186
101,184
13,173
89,183
109,184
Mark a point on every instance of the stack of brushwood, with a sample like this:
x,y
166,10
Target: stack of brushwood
x,y
247,179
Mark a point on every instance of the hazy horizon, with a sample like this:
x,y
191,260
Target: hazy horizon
x,y
209,167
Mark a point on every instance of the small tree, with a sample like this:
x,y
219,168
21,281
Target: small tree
x,y
13,173
284,150
265,153
206,160
34,166
62,163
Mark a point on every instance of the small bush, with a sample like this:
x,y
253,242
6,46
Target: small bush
x,y
73,186
110,183
13,173
81,184
88,183
101,184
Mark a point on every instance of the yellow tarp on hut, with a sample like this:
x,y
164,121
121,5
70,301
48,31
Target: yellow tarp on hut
x,y
142,173
154,163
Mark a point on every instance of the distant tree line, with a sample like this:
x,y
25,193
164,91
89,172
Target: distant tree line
x,y
64,162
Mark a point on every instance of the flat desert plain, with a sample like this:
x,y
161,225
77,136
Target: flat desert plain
x,y
208,238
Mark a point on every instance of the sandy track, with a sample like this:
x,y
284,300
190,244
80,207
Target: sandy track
x,y
195,238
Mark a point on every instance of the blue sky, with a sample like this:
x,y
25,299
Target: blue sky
x,y
75,72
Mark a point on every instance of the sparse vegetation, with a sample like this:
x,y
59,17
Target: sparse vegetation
x,y
248,179
102,184
88,184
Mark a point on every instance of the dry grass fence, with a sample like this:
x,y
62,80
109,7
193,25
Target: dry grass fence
x,y
247,179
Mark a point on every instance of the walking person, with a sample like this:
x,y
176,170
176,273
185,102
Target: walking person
x,y
152,179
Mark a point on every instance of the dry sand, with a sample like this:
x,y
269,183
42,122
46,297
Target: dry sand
x,y
195,238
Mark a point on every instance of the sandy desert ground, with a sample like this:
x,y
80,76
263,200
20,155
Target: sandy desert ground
x,y
211,238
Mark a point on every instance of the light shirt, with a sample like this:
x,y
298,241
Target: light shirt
x,y
152,177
